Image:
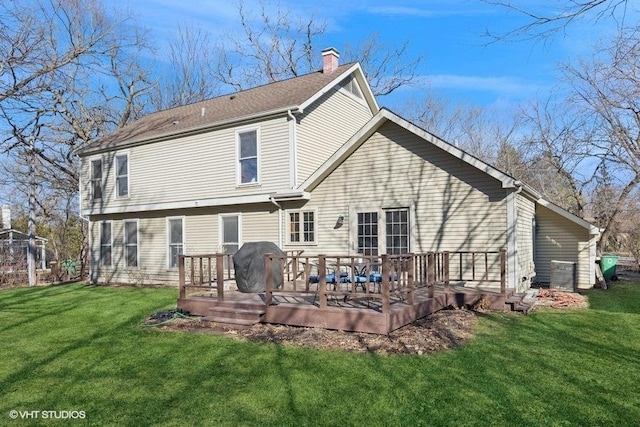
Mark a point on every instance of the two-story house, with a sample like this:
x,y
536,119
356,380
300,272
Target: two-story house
x,y
309,163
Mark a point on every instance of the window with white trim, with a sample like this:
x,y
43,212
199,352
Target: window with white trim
x,y
397,231
302,227
122,175
106,243
367,233
248,157
175,234
96,179
131,243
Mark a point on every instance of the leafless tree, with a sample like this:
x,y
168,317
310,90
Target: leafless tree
x,y
597,125
275,44
477,130
545,20
68,73
192,63
607,88
387,67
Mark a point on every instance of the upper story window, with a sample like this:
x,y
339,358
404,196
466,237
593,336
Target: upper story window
x,y
302,227
248,157
122,175
96,179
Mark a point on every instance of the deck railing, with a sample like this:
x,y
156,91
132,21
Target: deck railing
x,y
207,273
326,277
383,277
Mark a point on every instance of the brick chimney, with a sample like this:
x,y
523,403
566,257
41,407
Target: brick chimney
x,y
329,60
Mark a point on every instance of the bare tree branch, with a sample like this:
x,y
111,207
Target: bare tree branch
x,y
544,23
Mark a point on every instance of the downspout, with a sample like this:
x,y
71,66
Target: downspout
x,y
280,242
512,243
293,151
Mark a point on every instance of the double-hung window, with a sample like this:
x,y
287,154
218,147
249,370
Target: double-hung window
x,y
122,175
106,243
131,243
96,179
175,234
248,161
302,227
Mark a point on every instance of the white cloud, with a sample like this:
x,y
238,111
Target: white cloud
x,y
419,12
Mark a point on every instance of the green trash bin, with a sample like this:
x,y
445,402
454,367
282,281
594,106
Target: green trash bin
x,y
608,265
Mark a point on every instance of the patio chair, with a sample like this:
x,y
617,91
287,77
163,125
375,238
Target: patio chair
x,y
330,278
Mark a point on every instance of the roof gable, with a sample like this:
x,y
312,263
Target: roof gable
x,y
384,116
275,98
374,124
593,230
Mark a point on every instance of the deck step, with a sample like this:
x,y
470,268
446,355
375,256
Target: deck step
x,y
236,313
522,302
230,322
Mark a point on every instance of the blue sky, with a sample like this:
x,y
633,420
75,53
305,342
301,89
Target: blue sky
x,y
459,64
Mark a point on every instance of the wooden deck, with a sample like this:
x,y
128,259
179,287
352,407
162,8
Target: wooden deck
x,y
348,314
409,287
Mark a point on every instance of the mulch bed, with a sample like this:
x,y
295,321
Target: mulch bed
x,y
554,298
443,330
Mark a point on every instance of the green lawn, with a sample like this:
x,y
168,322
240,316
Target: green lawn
x,y
81,348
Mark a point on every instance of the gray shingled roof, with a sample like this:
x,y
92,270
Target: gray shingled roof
x,y
271,97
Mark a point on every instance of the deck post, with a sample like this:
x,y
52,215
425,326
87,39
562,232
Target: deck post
x,y
386,275
292,269
431,274
181,278
268,277
503,271
322,285
307,273
192,273
445,268
410,277
220,276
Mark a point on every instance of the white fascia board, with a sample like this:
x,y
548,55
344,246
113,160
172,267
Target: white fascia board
x,y
189,131
378,120
186,204
593,230
366,90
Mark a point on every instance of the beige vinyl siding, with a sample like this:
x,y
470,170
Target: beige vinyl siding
x,y
526,210
202,236
453,206
561,240
196,167
325,126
